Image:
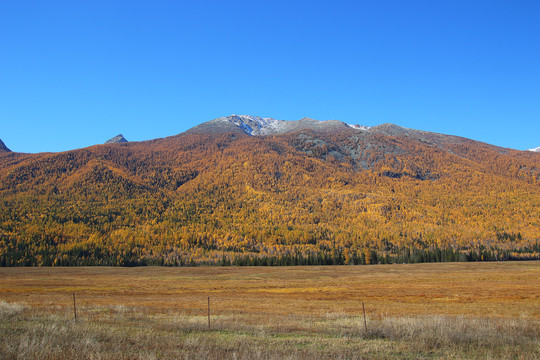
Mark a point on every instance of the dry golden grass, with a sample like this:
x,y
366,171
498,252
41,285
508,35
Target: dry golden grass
x,y
507,289
451,311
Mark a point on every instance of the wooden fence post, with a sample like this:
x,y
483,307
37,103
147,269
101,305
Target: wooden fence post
x,y
365,322
74,307
209,313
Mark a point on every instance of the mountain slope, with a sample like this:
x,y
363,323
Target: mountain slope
x,y
305,196
3,147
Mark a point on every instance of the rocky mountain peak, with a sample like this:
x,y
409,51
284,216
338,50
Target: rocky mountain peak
x,y
255,125
259,126
117,139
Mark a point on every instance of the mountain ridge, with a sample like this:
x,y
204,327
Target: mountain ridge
x,y
258,126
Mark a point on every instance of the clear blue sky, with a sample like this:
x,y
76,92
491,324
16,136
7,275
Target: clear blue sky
x,y
76,73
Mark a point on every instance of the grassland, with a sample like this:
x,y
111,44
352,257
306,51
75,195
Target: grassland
x,y
450,311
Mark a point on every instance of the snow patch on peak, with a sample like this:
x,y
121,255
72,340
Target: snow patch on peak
x,y
535,149
259,126
255,125
359,127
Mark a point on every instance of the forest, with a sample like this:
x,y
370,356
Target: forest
x,y
295,199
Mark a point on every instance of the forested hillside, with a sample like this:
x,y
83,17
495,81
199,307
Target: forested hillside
x,y
346,197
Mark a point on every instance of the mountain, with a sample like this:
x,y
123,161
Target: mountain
x,y
248,190
3,147
117,139
535,150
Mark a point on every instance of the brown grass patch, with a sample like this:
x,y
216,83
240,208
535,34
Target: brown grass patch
x,y
507,289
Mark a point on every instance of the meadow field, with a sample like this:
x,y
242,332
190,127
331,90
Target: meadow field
x,y
488,310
